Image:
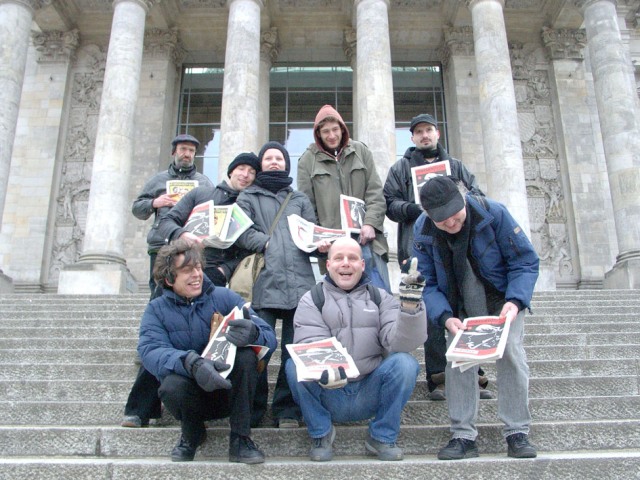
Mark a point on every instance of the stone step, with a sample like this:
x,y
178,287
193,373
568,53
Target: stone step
x,y
619,465
105,412
118,442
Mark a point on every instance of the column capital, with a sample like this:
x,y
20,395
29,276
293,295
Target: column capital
x,y
56,46
32,5
146,4
350,43
457,41
356,2
269,46
473,3
161,43
583,4
260,3
564,43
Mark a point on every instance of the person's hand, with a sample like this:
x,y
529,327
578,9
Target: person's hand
x,y
367,233
205,372
333,378
510,311
414,211
324,245
242,332
190,238
411,283
454,324
164,200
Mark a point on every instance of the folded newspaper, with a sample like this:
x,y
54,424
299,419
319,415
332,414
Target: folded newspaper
x,y
352,212
219,348
483,341
422,173
311,359
219,226
306,235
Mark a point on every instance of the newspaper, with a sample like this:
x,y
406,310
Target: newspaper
x,y
219,226
483,341
179,188
311,359
352,212
306,235
422,173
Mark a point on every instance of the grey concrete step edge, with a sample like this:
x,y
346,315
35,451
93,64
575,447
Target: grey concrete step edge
x,y
619,465
416,440
417,412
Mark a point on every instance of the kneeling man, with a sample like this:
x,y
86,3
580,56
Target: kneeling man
x,y
377,331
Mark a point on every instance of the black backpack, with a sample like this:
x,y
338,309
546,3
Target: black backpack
x,y
317,294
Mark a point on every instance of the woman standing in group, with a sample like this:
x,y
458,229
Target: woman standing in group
x,y
287,274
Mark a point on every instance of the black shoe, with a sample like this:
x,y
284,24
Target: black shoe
x,y
519,446
457,449
438,395
243,450
184,451
134,421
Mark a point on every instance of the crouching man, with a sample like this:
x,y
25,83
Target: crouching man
x,y
377,331
175,329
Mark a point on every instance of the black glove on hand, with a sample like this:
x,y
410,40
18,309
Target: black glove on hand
x,y
334,378
242,332
414,211
411,282
205,372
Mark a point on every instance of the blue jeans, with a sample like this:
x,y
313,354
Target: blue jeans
x,y
376,268
381,395
512,374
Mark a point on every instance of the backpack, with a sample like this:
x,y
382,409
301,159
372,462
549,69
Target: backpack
x,y
317,294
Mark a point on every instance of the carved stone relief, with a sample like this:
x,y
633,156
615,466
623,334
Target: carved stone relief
x,y
55,46
457,41
547,213
75,178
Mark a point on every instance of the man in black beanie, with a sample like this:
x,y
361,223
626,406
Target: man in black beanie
x,y
143,402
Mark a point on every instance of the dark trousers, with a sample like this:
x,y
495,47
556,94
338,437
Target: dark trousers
x,y
143,398
192,406
156,291
283,405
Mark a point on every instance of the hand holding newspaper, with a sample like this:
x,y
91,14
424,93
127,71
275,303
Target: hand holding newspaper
x,y
482,341
313,358
306,235
219,226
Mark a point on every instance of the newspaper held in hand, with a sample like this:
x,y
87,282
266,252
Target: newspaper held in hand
x,y
306,235
217,226
352,211
313,358
219,348
422,173
201,220
179,188
483,341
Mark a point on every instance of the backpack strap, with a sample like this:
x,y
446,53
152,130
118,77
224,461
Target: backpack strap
x,y
375,294
317,294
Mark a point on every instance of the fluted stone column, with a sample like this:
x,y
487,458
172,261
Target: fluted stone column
x,y
102,267
350,45
15,25
616,101
498,109
240,91
268,54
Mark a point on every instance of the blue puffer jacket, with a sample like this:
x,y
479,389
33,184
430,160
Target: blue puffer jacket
x,y
171,326
503,253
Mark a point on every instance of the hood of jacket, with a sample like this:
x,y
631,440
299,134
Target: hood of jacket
x,y
323,113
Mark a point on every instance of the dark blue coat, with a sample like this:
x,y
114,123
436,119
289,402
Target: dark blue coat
x,y
171,326
503,253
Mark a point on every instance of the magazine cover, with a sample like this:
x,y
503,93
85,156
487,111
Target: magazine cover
x,y
233,222
313,358
179,188
352,212
420,175
483,340
200,219
306,235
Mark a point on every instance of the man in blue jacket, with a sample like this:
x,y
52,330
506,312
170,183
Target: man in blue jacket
x,y
477,261
175,329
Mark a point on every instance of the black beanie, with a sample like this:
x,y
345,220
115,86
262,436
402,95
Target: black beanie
x,y
278,146
249,158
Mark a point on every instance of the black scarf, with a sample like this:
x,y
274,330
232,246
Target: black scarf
x,y
273,180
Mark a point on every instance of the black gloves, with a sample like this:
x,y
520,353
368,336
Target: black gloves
x,y
411,282
205,372
242,332
414,211
334,378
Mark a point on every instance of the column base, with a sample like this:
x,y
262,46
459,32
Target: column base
x,y
6,284
546,279
96,279
625,274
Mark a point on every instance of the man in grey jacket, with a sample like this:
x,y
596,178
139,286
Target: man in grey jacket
x,y
378,334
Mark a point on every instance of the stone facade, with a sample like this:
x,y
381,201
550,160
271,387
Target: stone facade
x,y
569,166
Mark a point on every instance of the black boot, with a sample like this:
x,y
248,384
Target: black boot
x,y
184,451
243,450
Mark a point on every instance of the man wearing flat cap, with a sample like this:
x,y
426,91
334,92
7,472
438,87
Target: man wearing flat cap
x,y
154,199
477,261
404,208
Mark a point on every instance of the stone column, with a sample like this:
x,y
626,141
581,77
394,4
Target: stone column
x,y
268,54
240,90
350,45
102,267
498,109
616,101
15,26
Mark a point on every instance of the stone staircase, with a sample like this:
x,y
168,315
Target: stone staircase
x,y
66,367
